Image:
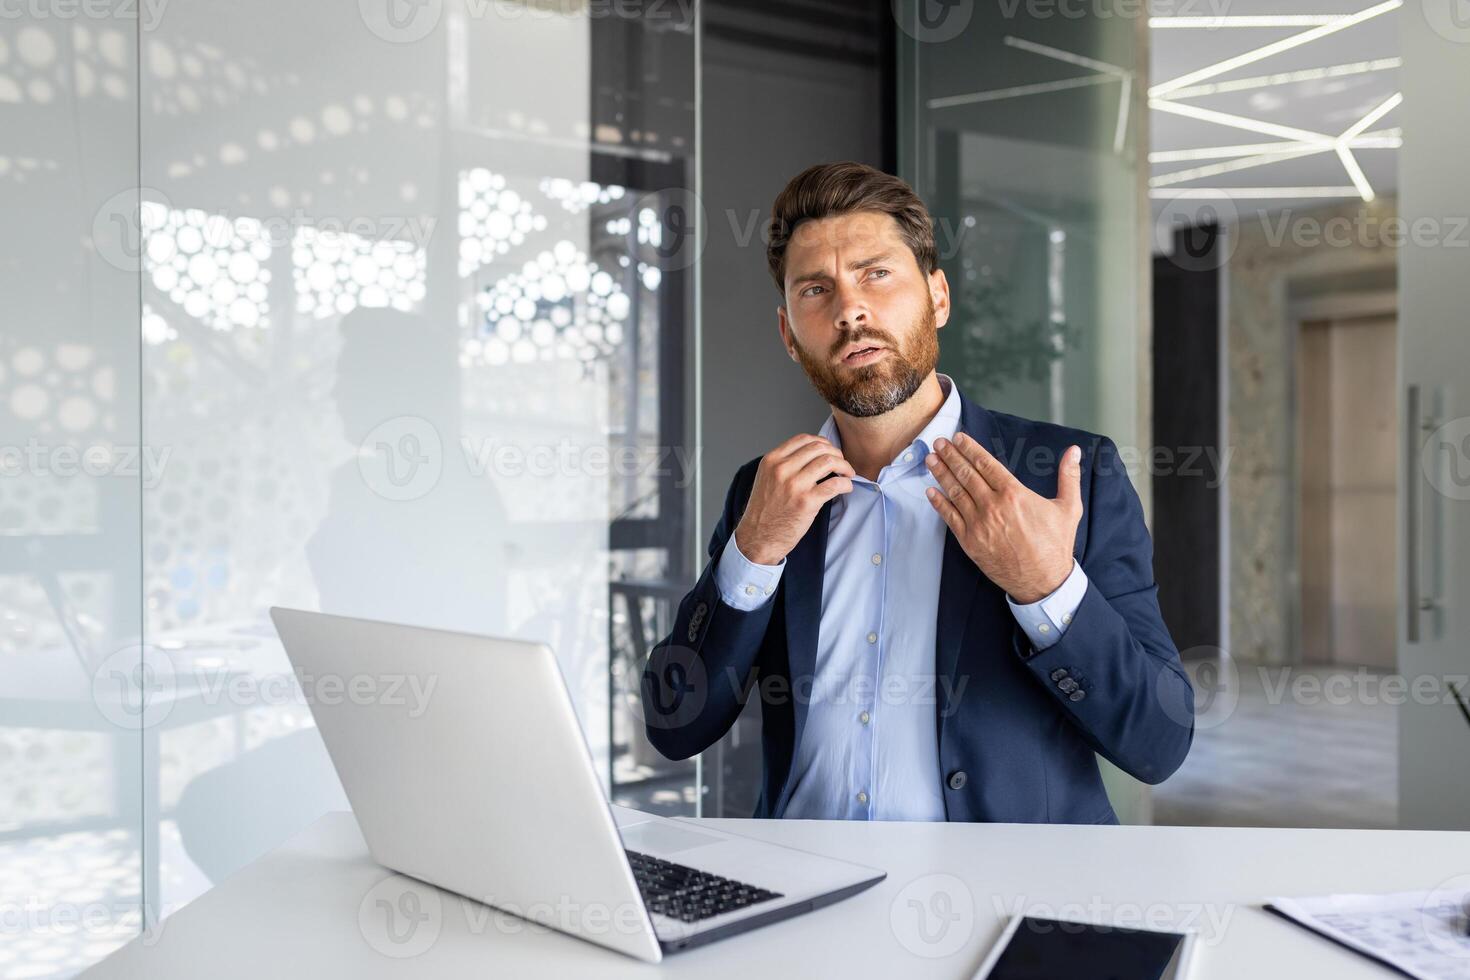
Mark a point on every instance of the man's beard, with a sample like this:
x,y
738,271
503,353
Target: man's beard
x,y
875,388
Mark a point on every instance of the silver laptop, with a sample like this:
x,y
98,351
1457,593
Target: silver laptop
x,y
466,768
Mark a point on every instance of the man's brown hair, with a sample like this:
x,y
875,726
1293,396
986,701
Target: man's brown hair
x,y
830,189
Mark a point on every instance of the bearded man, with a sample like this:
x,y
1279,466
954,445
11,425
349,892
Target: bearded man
x,y
946,612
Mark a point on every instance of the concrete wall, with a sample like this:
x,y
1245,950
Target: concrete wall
x,y
1277,260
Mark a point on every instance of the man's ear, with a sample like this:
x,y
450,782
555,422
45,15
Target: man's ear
x,y
939,296
785,328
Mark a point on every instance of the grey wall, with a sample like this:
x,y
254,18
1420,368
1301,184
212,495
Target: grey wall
x,y
771,110
768,115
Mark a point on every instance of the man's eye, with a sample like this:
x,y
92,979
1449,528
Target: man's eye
x,y
811,290
880,272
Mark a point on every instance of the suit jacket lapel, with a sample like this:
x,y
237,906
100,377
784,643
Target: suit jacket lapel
x,y
959,611
802,588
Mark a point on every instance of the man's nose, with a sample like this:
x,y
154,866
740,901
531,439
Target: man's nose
x,y
851,313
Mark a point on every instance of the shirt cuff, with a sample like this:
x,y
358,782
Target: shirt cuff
x,y
743,584
1047,619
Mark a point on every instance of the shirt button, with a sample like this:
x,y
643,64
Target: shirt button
x,y
862,797
750,590
769,590
877,559
1067,619
872,637
1043,628
865,717
908,457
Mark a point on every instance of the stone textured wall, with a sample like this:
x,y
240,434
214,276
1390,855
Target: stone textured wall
x,y
1270,256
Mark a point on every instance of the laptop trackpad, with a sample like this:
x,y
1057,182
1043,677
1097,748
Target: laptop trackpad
x,y
664,837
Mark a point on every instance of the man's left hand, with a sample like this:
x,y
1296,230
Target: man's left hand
x,y
1019,539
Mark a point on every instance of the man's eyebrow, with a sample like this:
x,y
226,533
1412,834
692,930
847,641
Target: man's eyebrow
x,y
820,275
872,260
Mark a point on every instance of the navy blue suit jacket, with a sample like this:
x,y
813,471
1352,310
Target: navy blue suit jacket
x,y
1016,741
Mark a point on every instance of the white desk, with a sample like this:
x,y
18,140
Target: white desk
x,y
295,912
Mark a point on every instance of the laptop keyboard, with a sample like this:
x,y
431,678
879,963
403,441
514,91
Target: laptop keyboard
x,y
688,894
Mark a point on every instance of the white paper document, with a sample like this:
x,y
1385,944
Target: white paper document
x,y
1419,933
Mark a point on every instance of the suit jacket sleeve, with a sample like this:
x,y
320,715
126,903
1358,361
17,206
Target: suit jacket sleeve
x,y
1136,705
696,679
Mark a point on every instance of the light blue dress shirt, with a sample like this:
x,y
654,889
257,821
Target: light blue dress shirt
x,y
869,749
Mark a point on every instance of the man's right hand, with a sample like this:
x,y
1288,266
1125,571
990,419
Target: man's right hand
x,y
787,496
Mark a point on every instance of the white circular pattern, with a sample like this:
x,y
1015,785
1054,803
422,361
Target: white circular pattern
x,y
73,357
28,361
29,402
76,414
36,47
336,273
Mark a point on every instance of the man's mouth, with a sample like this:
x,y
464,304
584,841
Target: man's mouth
x,y
864,355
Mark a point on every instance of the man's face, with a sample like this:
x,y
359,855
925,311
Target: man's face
x,y
860,317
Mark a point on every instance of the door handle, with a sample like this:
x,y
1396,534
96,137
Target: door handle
x,y
1418,428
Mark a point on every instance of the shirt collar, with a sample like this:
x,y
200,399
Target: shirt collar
x,y
945,423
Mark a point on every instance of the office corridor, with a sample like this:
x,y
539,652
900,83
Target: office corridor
x,y
1279,760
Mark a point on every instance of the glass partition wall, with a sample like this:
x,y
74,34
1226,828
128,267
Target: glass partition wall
x,y
383,310
1021,126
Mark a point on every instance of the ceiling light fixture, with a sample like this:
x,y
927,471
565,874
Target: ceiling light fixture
x,y
1210,23
1344,149
1287,78
1238,122
1276,47
1385,139
1125,94
1016,91
1243,163
1251,193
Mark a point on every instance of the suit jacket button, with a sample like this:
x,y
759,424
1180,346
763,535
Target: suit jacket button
x,y
1076,695
1067,685
696,619
1058,674
957,779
